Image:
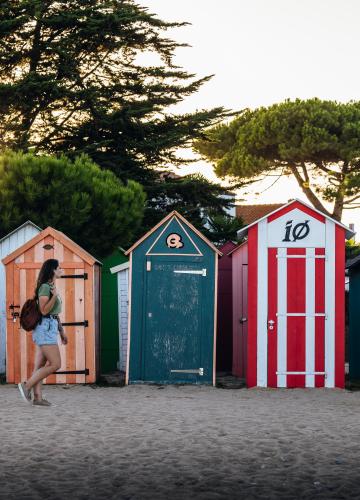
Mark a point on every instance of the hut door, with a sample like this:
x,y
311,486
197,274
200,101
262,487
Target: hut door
x,y
172,346
296,317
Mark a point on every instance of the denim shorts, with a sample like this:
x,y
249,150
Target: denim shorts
x,y
46,332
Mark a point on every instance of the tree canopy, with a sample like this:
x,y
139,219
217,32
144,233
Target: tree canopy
x,y
92,206
317,142
72,82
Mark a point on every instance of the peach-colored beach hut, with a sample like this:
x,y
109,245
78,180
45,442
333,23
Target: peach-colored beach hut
x,y
80,291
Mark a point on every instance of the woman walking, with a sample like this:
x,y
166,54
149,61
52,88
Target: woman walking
x,y
47,353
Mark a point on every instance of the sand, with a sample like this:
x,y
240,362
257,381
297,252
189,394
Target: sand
x,y
146,442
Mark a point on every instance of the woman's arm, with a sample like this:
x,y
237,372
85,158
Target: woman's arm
x,y
46,304
61,331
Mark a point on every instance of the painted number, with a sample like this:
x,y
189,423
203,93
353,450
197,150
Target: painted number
x,y
174,241
298,232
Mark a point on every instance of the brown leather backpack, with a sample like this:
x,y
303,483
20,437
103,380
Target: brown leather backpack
x,y
30,315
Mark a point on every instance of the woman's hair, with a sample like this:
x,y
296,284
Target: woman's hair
x,y
46,273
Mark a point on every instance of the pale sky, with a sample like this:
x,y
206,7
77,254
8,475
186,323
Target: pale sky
x,y
262,52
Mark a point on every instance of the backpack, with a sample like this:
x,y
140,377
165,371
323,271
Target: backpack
x,y
30,315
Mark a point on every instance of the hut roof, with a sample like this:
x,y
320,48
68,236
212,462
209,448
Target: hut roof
x,y
65,240
27,223
348,233
174,213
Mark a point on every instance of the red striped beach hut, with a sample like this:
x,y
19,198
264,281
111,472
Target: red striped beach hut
x,y
291,297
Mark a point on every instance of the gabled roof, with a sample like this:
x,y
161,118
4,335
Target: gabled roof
x,y
250,213
354,262
27,223
348,233
65,240
174,213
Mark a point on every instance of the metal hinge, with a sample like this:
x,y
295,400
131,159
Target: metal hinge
x,y
77,323
190,271
199,371
74,372
83,276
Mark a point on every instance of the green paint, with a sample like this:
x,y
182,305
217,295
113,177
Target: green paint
x,y
172,314
354,323
109,313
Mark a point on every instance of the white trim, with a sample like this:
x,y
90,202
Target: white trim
x,y
27,223
282,319
301,256
310,317
262,305
305,314
311,374
330,304
348,233
120,267
129,324
172,253
190,271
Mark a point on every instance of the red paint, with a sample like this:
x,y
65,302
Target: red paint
x,y
240,309
225,310
272,310
251,375
319,321
339,307
296,303
300,206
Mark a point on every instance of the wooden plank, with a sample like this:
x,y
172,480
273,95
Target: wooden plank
x,y
65,265
29,293
90,333
60,285
129,323
79,330
69,300
16,331
97,311
10,351
216,257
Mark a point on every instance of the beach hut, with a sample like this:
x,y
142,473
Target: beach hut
x,y
295,298
121,274
224,340
8,244
80,291
110,320
353,268
173,291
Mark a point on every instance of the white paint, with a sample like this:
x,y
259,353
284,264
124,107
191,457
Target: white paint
x,y
282,319
123,315
9,244
302,314
330,305
310,317
120,267
149,252
301,256
277,231
307,373
262,305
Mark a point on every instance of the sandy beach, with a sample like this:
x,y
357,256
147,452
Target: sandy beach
x,y
149,442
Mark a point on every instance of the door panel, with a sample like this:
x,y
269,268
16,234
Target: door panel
x,y
173,323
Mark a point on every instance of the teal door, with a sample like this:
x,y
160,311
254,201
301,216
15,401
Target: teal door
x,y
173,347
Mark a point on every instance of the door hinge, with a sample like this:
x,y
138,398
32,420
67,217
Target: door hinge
x,y
74,372
199,371
77,323
79,276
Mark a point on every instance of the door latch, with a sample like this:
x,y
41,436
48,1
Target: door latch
x,y
271,323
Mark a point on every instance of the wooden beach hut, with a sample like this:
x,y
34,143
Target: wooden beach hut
x,y
112,324
224,341
295,298
353,267
173,293
8,244
80,291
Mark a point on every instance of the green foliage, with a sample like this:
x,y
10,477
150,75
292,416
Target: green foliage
x,y
318,142
194,196
72,82
352,249
90,205
223,228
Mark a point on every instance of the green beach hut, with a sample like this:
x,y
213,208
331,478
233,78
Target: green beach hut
x,y
173,294
110,358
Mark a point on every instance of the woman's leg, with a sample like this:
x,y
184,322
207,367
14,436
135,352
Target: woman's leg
x,y
52,355
40,361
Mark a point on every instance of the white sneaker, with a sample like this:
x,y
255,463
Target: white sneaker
x,y
24,391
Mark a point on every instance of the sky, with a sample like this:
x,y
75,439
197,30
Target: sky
x,y
262,52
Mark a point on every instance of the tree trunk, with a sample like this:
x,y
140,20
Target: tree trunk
x,y
314,200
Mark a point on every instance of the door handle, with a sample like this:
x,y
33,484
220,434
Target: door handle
x,y
242,320
271,324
